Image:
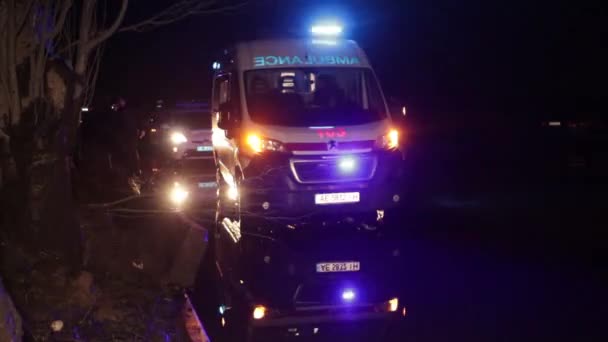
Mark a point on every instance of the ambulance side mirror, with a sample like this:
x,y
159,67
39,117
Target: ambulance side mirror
x,y
227,117
398,110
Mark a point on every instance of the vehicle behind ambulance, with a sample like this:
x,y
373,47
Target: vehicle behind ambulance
x,y
300,126
189,130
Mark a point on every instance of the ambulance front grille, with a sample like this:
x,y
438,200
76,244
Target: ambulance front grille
x,y
326,169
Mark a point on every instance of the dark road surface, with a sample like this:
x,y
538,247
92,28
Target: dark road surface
x,y
509,250
499,253
520,273
463,284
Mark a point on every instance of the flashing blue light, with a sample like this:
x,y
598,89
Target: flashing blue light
x,y
348,295
326,30
347,164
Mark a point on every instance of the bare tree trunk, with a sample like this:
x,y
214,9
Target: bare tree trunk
x,y
60,213
13,83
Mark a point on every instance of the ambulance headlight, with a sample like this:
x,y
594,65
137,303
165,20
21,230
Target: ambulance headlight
x,y
389,141
258,144
178,138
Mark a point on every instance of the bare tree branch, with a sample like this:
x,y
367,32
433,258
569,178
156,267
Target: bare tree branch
x,y
92,74
104,35
59,24
26,14
69,46
180,11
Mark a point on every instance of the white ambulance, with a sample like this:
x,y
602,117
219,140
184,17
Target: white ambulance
x,y
301,126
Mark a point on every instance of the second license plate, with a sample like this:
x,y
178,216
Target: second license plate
x,y
347,266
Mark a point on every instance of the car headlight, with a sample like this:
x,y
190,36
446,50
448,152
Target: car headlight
x,y
259,144
259,312
389,141
178,138
178,194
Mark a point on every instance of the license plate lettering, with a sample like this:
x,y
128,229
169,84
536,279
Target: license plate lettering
x,y
204,185
337,198
330,267
204,148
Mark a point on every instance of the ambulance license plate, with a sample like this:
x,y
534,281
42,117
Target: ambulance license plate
x,y
330,267
337,198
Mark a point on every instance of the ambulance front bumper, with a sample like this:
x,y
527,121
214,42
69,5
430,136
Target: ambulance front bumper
x,y
284,185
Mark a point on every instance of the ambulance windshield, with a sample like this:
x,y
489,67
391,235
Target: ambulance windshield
x,y
313,96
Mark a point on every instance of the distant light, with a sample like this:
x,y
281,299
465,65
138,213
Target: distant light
x,y
216,65
555,123
347,164
348,295
324,42
259,312
174,149
321,127
326,30
153,130
403,111
85,109
393,304
222,309
223,321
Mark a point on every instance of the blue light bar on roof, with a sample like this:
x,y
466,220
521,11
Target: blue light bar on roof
x,y
326,30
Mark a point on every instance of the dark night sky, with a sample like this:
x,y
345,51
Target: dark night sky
x,y
437,55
